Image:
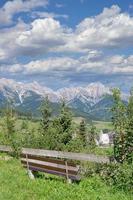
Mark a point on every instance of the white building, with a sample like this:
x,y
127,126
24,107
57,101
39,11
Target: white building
x,y
105,139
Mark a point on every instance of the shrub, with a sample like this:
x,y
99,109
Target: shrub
x,y
120,175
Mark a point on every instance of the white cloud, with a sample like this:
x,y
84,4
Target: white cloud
x,y
110,29
10,8
8,47
117,59
95,63
45,35
9,50
48,15
51,64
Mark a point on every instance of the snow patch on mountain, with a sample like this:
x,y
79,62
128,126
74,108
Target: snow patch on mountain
x,y
91,93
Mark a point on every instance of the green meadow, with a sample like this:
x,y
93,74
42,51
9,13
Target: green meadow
x,y
16,185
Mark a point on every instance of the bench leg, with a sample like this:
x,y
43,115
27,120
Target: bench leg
x,y
31,175
69,180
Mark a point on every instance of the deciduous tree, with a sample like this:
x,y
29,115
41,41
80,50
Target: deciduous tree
x,y
119,120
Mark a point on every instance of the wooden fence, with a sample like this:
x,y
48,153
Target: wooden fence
x,y
60,154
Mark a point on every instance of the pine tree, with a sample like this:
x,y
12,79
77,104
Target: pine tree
x,y
9,122
92,136
119,120
46,113
129,130
82,131
65,117
65,123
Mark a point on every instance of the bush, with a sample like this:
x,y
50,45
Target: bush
x,y
120,175
75,145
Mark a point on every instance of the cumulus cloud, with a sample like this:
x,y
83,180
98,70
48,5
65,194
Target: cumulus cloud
x,y
59,64
85,65
110,29
10,8
45,35
8,48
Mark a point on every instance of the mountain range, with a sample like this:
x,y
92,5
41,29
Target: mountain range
x,y
92,101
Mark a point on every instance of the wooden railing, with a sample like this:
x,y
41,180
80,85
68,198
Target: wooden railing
x,y
60,154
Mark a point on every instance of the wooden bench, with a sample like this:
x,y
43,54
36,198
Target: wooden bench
x,y
51,166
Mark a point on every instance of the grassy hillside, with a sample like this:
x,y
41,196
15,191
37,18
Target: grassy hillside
x,y
15,185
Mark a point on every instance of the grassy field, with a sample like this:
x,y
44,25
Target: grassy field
x,y
103,125
15,185
99,124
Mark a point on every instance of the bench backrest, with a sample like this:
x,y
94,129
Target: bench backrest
x,y
50,165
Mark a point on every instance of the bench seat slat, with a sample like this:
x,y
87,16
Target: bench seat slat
x,y
47,159
48,167
33,168
24,160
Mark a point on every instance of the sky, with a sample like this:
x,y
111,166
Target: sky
x,y
65,43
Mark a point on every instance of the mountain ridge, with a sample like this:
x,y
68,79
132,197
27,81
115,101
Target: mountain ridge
x,y
93,100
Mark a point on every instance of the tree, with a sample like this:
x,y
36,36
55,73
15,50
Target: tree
x,y
12,137
46,113
119,120
129,130
82,131
65,117
65,123
24,124
9,122
92,136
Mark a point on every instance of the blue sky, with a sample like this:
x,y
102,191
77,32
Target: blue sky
x,y
64,43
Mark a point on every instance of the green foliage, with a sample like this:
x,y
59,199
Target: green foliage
x,y
119,121
119,112
11,136
92,136
29,137
56,131
9,123
52,140
46,115
65,118
119,175
24,125
64,123
82,132
75,145
129,130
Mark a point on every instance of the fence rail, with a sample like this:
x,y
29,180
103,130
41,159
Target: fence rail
x,y
60,154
